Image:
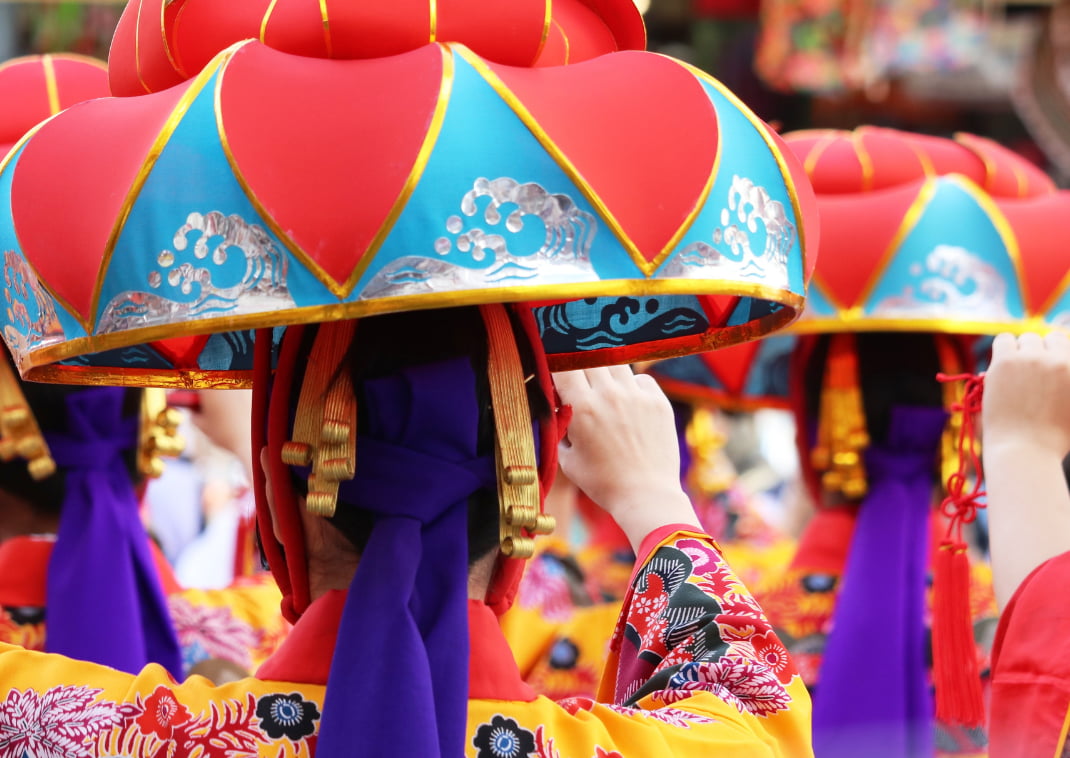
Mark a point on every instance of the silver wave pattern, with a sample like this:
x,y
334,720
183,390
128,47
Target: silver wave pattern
x,y
262,287
564,255
30,319
952,283
750,211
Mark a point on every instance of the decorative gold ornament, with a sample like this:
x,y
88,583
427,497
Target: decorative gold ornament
x,y
711,473
514,442
20,436
158,437
841,431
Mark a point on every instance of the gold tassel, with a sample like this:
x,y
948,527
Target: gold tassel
x,y
954,396
20,436
710,473
519,504
841,433
158,435
325,432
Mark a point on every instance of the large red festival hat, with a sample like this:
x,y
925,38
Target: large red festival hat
x,y
295,180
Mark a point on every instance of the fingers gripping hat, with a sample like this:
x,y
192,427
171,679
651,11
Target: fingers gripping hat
x,y
357,161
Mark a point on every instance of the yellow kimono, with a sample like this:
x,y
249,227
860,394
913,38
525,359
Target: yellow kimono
x,y
694,670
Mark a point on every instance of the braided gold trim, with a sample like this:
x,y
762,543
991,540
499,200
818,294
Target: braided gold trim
x,y
325,430
520,508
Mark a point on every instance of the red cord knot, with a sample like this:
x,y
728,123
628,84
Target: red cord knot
x,y
964,486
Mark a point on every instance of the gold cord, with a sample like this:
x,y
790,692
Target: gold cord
x,y
325,431
514,447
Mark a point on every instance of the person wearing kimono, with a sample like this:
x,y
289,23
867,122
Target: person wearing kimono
x,y
79,574
1026,437
694,666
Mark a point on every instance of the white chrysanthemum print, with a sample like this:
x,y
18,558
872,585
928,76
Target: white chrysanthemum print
x,y
63,722
750,686
674,716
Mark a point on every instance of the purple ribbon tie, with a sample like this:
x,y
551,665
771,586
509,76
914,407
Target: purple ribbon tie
x,y
398,683
105,603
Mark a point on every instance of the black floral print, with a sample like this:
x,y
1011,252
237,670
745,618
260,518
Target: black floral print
x,y
288,716
503,738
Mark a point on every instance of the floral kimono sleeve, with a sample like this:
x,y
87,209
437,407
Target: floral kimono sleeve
x,y
692,637
64,708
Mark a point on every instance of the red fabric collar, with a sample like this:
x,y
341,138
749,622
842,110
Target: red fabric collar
x,y
306,654
24,571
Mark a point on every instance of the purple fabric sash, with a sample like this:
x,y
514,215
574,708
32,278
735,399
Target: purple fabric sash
x,y
398,683
105,603
873,696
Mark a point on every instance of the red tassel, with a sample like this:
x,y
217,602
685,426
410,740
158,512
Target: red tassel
x,y
955,671
956,676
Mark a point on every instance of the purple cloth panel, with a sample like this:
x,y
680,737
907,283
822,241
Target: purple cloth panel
x,y
105,602
873,696
398,683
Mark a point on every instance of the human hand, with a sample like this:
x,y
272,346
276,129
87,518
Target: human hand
x,y
1027,393
621,449
1026,433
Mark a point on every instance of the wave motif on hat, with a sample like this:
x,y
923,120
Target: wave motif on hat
x,y
305,178
919,233
924,233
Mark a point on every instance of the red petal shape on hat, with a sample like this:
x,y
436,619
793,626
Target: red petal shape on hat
x,y
840,162
1036,222
1007,174
326,173
589,113
156,46
576,34
78,78
943,155
38,86
140,59
847,265
68,249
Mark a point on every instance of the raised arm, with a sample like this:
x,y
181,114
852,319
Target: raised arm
x,y
692,646
1026,435
622,450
